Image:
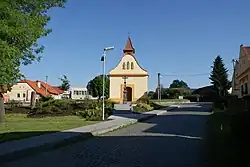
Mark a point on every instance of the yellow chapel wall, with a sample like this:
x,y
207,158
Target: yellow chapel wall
x,y
139,87
137,79
128,58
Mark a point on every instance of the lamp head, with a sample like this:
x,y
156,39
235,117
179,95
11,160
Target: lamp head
x,y
109,48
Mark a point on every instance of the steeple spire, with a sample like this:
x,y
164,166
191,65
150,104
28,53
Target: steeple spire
x,y
129,47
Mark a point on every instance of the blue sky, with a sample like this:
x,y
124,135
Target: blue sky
x,y
171,37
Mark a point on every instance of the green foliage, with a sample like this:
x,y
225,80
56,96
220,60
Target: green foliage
x,y
65,83
152,94
22,23
142,107
93,114
228,138
144,99
219,77
174,93
178,84
54,107
95,86
46,98
88,109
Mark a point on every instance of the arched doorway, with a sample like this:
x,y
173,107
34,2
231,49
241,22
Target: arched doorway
x,y
129,94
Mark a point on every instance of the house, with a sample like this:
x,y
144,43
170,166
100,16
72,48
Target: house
x,y
78,93
128,80
22,90
241,74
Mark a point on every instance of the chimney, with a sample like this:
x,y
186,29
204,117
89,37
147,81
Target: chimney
x,y
38,84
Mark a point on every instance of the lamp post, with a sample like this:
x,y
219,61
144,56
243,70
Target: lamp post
x,y
103,79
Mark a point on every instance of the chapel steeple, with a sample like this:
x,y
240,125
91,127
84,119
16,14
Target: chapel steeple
x,y
129,47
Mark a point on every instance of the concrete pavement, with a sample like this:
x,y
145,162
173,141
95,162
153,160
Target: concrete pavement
x,y
166,140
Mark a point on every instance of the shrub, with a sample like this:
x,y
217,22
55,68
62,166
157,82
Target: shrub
x,y
53,108
62,107
142,107
94,114
144,99
46,98
13,104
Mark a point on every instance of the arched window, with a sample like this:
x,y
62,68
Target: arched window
x,y
128,66
124,66
132,65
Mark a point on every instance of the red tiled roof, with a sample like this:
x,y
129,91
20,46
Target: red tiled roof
x,y
246,50
42,90
60,91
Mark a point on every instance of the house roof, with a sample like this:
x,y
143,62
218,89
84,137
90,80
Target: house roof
x,y
51,90
246,50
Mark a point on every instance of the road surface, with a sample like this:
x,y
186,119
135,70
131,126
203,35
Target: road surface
x,y
173,139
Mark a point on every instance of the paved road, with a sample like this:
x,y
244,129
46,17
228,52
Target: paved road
x,y
174,139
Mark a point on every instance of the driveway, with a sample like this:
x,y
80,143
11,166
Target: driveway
x,y
173,139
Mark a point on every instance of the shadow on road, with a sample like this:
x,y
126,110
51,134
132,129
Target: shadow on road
x,y
165,140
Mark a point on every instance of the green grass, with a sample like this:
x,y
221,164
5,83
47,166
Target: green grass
x,y
18,126
224,146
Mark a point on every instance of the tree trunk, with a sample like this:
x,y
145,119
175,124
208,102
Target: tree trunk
x,y
2,110
33,100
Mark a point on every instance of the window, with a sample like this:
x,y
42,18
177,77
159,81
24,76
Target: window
x,y
132,65
24,95
246,88
124,66
242,90
127,65
75,92
18,95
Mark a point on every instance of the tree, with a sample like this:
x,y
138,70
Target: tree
x,y
219,77
22,23
152,94
178,84
65,83
95,87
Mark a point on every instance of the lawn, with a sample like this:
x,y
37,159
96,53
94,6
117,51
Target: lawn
x,y
227,141
18,126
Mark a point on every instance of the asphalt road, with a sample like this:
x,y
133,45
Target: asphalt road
x,y
174,139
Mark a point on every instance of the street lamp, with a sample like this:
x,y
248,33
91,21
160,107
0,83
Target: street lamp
x,y
103,78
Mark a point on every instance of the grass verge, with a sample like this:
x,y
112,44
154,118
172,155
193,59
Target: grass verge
x,y
18,126
227,141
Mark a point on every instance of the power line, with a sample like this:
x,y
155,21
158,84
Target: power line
x,y
188,75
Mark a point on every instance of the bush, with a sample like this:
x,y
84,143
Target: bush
x,y
94,114
144,100
142,107
13,104
53,108
46,98
85,108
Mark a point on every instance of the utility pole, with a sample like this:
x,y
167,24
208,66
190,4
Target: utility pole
x,y
159,87
234,75
46,89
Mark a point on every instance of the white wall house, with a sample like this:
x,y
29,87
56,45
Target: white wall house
x,y
22,91
78,93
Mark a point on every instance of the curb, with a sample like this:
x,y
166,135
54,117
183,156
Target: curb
x,y
77,138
